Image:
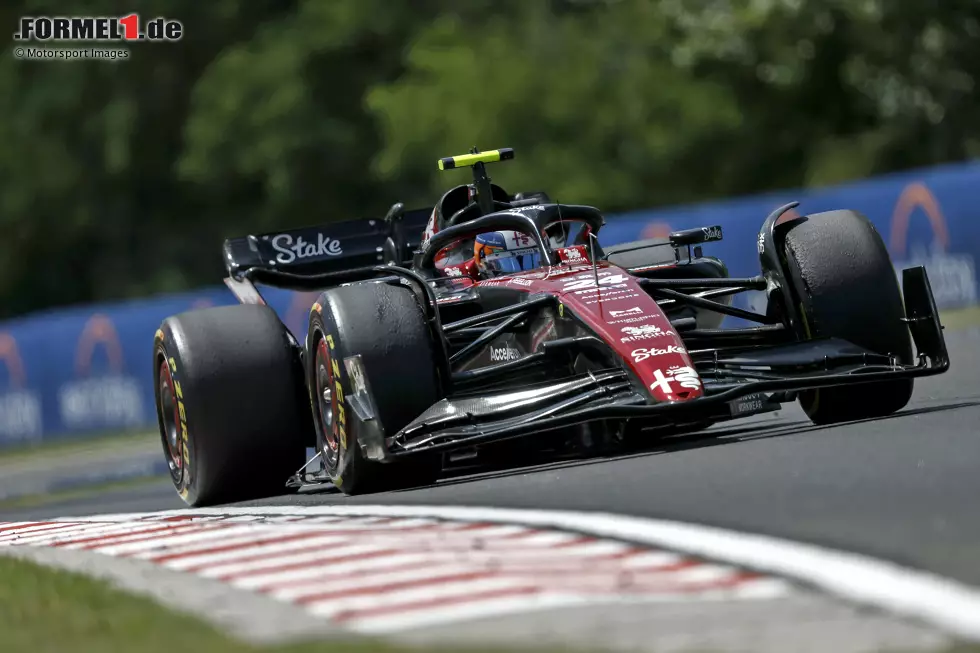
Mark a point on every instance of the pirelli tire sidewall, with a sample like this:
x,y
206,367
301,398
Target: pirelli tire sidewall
x,y
239,395
165,353
323,332
384,325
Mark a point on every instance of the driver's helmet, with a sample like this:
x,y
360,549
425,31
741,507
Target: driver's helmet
x,y
505,252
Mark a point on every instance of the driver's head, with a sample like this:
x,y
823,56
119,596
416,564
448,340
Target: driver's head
x,y
505,252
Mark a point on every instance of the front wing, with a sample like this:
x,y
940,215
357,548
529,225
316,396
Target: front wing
x,y
737,384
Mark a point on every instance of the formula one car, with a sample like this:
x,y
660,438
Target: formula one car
x,y
494,320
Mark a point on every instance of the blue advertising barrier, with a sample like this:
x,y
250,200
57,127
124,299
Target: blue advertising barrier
x,y
87,370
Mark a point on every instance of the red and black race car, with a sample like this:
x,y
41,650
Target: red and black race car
x,y
507,327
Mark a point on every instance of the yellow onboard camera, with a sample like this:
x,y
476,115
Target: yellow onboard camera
x,y
474,157
481,182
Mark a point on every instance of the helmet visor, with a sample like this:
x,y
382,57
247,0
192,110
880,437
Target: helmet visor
x,y
504,262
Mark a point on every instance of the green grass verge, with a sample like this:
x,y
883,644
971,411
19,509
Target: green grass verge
x,y
68,447
42,609
960,318
83,492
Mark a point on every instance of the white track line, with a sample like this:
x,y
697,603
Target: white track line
x,y
946,603
461,611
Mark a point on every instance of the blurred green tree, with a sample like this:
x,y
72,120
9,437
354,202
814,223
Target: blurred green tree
x,y
120,179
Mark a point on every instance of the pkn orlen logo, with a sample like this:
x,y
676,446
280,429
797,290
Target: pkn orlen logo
x,y
104,28
952,276
20,407
107,399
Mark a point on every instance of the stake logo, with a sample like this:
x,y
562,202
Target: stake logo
x,y
98,29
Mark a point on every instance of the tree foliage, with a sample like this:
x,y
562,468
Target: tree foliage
x,y
120,179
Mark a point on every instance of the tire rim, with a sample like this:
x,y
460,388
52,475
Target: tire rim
x,y
172,442
324,393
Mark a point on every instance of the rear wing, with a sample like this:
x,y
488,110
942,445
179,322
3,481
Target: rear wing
x,y
334,247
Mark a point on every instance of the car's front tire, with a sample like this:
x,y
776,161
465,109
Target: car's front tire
x,y
231,405
384,325
846,287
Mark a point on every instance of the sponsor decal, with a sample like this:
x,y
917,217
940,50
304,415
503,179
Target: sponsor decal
x,y
636,310
316,308
711,233
750,404
561,310
604,291
587,281
640,355
290,251
762,243
629,320
574,254
430,229
675,377
453,272
614,295
519,239
643,332
619,292
505,353
520,281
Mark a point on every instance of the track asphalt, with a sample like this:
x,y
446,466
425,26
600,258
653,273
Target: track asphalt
x,y
902,489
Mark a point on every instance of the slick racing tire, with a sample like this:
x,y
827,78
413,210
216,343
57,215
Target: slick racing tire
x,y
846,286
382,328
231,405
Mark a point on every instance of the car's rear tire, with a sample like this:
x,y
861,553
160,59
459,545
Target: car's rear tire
x,y
231,404
846,286
384,325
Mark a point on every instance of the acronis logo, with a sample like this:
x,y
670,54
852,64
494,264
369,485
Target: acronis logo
x,y
20,406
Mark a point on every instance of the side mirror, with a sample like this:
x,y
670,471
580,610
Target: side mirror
x,y
396,211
